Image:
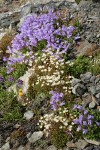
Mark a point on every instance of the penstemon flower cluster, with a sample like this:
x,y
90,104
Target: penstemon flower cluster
x,y
37,28
85,120
56,100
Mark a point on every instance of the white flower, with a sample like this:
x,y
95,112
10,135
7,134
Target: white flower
x,y
71,64
41,117
41,126
40,67
65,123
72,123
68,62
64,111
47,126
60,127
56,120
46,115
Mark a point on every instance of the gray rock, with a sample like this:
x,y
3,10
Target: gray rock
x,y
93,142
92,104
98,88
8,139
96,147
28,146
49,6
92,79
89,148
65,148
86,77
87,98
81,144
28,135
35,136
97,95
5,146
9,17
79,89
21,147
71,144
26,9
75,81
92,89
95,89
28,115
17,126
52,147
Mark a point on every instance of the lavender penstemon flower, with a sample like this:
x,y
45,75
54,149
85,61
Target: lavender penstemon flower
x,y
1,79
19,82
56,100
10,79
85,120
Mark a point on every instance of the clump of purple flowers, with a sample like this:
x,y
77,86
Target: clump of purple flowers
x,y
1,79
56,100
37,28
10,79
85,120
20,82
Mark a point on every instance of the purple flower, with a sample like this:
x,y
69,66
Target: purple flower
x,y
20,82
56,99
9,70
90,117
85,131
76,121
62,103
97,123
1,79
79,107
75,106
10,79
81,117
5,58
77,37
85,112
79,128
85,123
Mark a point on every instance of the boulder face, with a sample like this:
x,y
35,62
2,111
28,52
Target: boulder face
x,y
86,49
87,84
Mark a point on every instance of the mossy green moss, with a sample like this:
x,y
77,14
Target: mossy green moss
x,y
80,66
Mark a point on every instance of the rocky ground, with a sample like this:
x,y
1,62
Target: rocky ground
x,y
24,135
